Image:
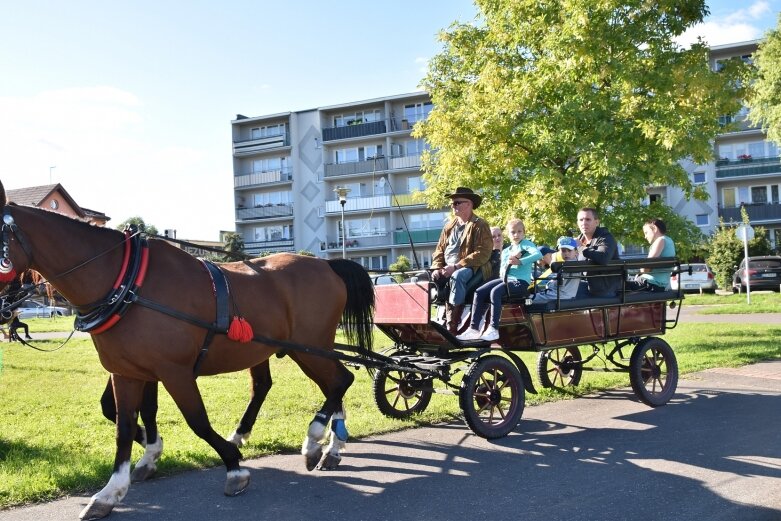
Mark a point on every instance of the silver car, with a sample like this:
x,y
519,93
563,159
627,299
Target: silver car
x,y
701,279
36,310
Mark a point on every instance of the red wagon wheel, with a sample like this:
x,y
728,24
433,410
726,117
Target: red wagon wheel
x,y
653,371
560,367
401,394
492,396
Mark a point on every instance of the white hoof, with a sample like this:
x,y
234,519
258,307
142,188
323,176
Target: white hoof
x,y
96,509
237,482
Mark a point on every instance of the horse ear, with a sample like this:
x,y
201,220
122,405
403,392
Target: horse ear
x,y
2,195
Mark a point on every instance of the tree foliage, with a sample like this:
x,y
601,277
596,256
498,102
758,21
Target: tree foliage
x,y
401,265
151,229
764,97
727,250
233,244
547,106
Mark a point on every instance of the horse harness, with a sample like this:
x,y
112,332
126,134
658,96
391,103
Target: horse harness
x,y
106,313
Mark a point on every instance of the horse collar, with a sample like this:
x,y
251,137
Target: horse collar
x,y
131,276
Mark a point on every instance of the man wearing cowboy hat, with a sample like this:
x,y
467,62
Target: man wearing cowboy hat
x,y
464,249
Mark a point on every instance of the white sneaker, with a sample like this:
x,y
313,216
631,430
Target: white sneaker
x,y
469,334
490,334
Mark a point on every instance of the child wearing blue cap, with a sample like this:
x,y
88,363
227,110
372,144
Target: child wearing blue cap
x,y
568,248
517,261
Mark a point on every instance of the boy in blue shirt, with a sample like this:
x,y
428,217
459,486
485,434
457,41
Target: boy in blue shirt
x,y
517,261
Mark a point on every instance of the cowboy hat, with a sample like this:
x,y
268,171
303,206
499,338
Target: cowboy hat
x,y
467,193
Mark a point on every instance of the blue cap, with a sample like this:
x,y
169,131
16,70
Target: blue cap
x,y
567,242
544,250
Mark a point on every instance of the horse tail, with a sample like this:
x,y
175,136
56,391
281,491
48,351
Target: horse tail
x,y
358,314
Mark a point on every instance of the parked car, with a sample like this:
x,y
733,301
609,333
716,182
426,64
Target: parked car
x,y
32,309
701,279
762,273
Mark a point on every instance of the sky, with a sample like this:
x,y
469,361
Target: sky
x,y
129,104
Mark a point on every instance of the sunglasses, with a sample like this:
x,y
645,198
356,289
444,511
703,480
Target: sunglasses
x,y
456,203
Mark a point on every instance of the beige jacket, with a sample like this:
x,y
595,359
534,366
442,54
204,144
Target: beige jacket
x,y
476,246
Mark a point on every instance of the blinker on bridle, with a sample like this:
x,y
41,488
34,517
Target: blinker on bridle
x,y
7,271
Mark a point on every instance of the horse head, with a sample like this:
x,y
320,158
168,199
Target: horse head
x,y
13,259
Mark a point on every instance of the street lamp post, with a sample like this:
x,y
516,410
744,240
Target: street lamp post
x,y
341,193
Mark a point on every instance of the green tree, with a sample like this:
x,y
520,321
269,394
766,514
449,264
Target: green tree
x,y
401,266
764,97
235,245
726,250
151,229
547,106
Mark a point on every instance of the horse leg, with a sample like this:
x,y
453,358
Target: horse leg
x,y
261,384
147,465
184,391
128,393
333,380
109,408
146,435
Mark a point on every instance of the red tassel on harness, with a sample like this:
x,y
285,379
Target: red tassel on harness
x,y
240,330
7,276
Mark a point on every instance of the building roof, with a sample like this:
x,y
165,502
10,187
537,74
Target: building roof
x,y
35,195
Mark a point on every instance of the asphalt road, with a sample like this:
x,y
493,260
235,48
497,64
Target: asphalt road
x,y
714,452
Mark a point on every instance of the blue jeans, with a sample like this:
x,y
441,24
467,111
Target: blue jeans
x,y
458,282
493,291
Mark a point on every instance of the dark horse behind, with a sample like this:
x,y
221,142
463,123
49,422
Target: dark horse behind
x,y
284,297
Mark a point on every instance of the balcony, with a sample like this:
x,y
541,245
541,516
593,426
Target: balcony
x,y
355,130
373,165
757,212
253,146
404,162
357,167
418,236
379,239
375,202
257,247
262,178
264,212
726,168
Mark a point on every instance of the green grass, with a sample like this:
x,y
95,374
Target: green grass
x,y
54,440
764,302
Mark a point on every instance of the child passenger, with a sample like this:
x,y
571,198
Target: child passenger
x,y
568,249
517,261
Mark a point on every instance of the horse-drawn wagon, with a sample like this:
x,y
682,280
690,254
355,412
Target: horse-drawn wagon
x,y
491,380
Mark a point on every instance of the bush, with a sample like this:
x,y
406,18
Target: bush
x,y
726,250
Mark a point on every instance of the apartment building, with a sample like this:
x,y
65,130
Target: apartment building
x,y
287,168
746,171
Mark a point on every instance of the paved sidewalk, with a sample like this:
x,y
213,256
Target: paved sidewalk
x,y
714,452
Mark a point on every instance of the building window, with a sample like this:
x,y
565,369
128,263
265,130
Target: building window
x,y
702,219
428,221
273,233
655,198
699,178
729,197
759,194
417,111
375,262
267,131
365,227
271,199
774,193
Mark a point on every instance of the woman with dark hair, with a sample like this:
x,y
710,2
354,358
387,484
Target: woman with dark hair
x,y
655,232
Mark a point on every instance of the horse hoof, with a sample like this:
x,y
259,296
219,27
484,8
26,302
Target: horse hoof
x,y
330,462
141,473
96,509
237,482
313,459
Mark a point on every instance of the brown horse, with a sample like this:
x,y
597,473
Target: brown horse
x,y
284,297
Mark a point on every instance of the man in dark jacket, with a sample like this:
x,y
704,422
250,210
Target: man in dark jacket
x,y
598,246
